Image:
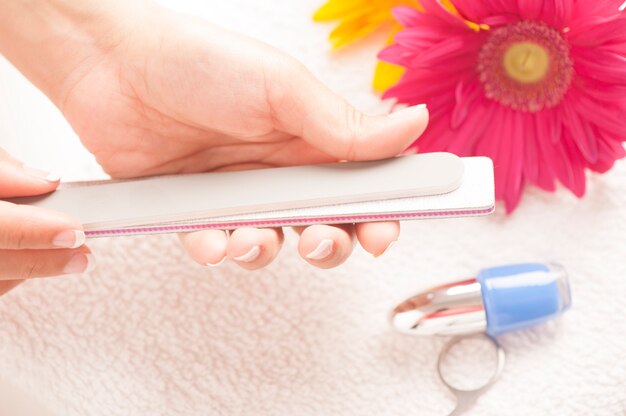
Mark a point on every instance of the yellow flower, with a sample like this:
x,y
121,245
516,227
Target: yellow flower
x,y
359,18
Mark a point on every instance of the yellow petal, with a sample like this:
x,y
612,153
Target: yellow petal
x,y
357,27
337,9
386,76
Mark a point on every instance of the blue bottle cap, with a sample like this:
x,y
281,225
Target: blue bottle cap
x,y
500,299
522,295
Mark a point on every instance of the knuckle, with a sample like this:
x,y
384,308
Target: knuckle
x,y
279,76
353,129
13,238
32,269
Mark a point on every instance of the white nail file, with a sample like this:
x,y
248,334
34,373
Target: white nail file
x,y
432,185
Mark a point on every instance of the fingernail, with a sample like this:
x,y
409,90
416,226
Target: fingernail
x,y
387,249
216,264
69,239
250,255
80,263
408,112
322,251
41,174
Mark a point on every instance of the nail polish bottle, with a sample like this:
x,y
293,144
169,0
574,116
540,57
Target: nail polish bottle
x,y
499,300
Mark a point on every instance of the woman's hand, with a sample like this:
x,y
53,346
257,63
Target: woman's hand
x,y
152,92
35,242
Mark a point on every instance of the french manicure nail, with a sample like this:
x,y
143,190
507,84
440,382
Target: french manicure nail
x,y
69,239
322,251
41,174
408,112
387,249
216,264
250,256
80,263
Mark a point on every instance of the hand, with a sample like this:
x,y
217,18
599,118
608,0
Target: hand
x,y
152,92
35,242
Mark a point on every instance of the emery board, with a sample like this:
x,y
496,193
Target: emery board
x,y
398,188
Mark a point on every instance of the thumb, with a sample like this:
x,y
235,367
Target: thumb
x,y
304,107
19,180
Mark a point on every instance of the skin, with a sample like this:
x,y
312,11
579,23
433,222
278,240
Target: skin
x,y
151,92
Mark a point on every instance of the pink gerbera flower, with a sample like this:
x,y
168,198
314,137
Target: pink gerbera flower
x,y
538,86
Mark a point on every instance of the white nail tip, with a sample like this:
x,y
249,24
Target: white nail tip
x,y
41,174
323,250
216,264
69,239
79,238
251,255
53,177
91,263
408,111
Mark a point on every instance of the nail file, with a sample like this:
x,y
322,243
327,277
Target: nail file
x,y
431,185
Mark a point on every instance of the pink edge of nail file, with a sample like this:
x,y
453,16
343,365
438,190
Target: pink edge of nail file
x,y
431,185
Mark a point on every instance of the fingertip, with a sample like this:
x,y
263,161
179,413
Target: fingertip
x,y
254,248
377,237
326,246
23,180
207,248
394,132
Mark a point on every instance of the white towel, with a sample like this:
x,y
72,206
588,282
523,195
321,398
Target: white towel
x,y
149,332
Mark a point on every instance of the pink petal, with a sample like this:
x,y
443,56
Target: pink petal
x,y
396,54
600,64
465,138
608,117
546,173
407,16
466,94
434,8
601,91
556,13
566,169
580,131
599,33
473,10
458,51
609,150
572,155
501,20
531,153
490,146
585,10
515,165
531,9
418,37
437,135
418,87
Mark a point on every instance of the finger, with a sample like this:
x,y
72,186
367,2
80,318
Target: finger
x,y
253,248
206,247
326,246
27,264
377,237
7,285
19,180
26,227
303,106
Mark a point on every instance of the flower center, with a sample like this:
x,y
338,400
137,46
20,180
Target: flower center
x,y
525,66
526,62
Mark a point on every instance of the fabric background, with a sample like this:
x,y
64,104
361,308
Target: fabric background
x,y
149,332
